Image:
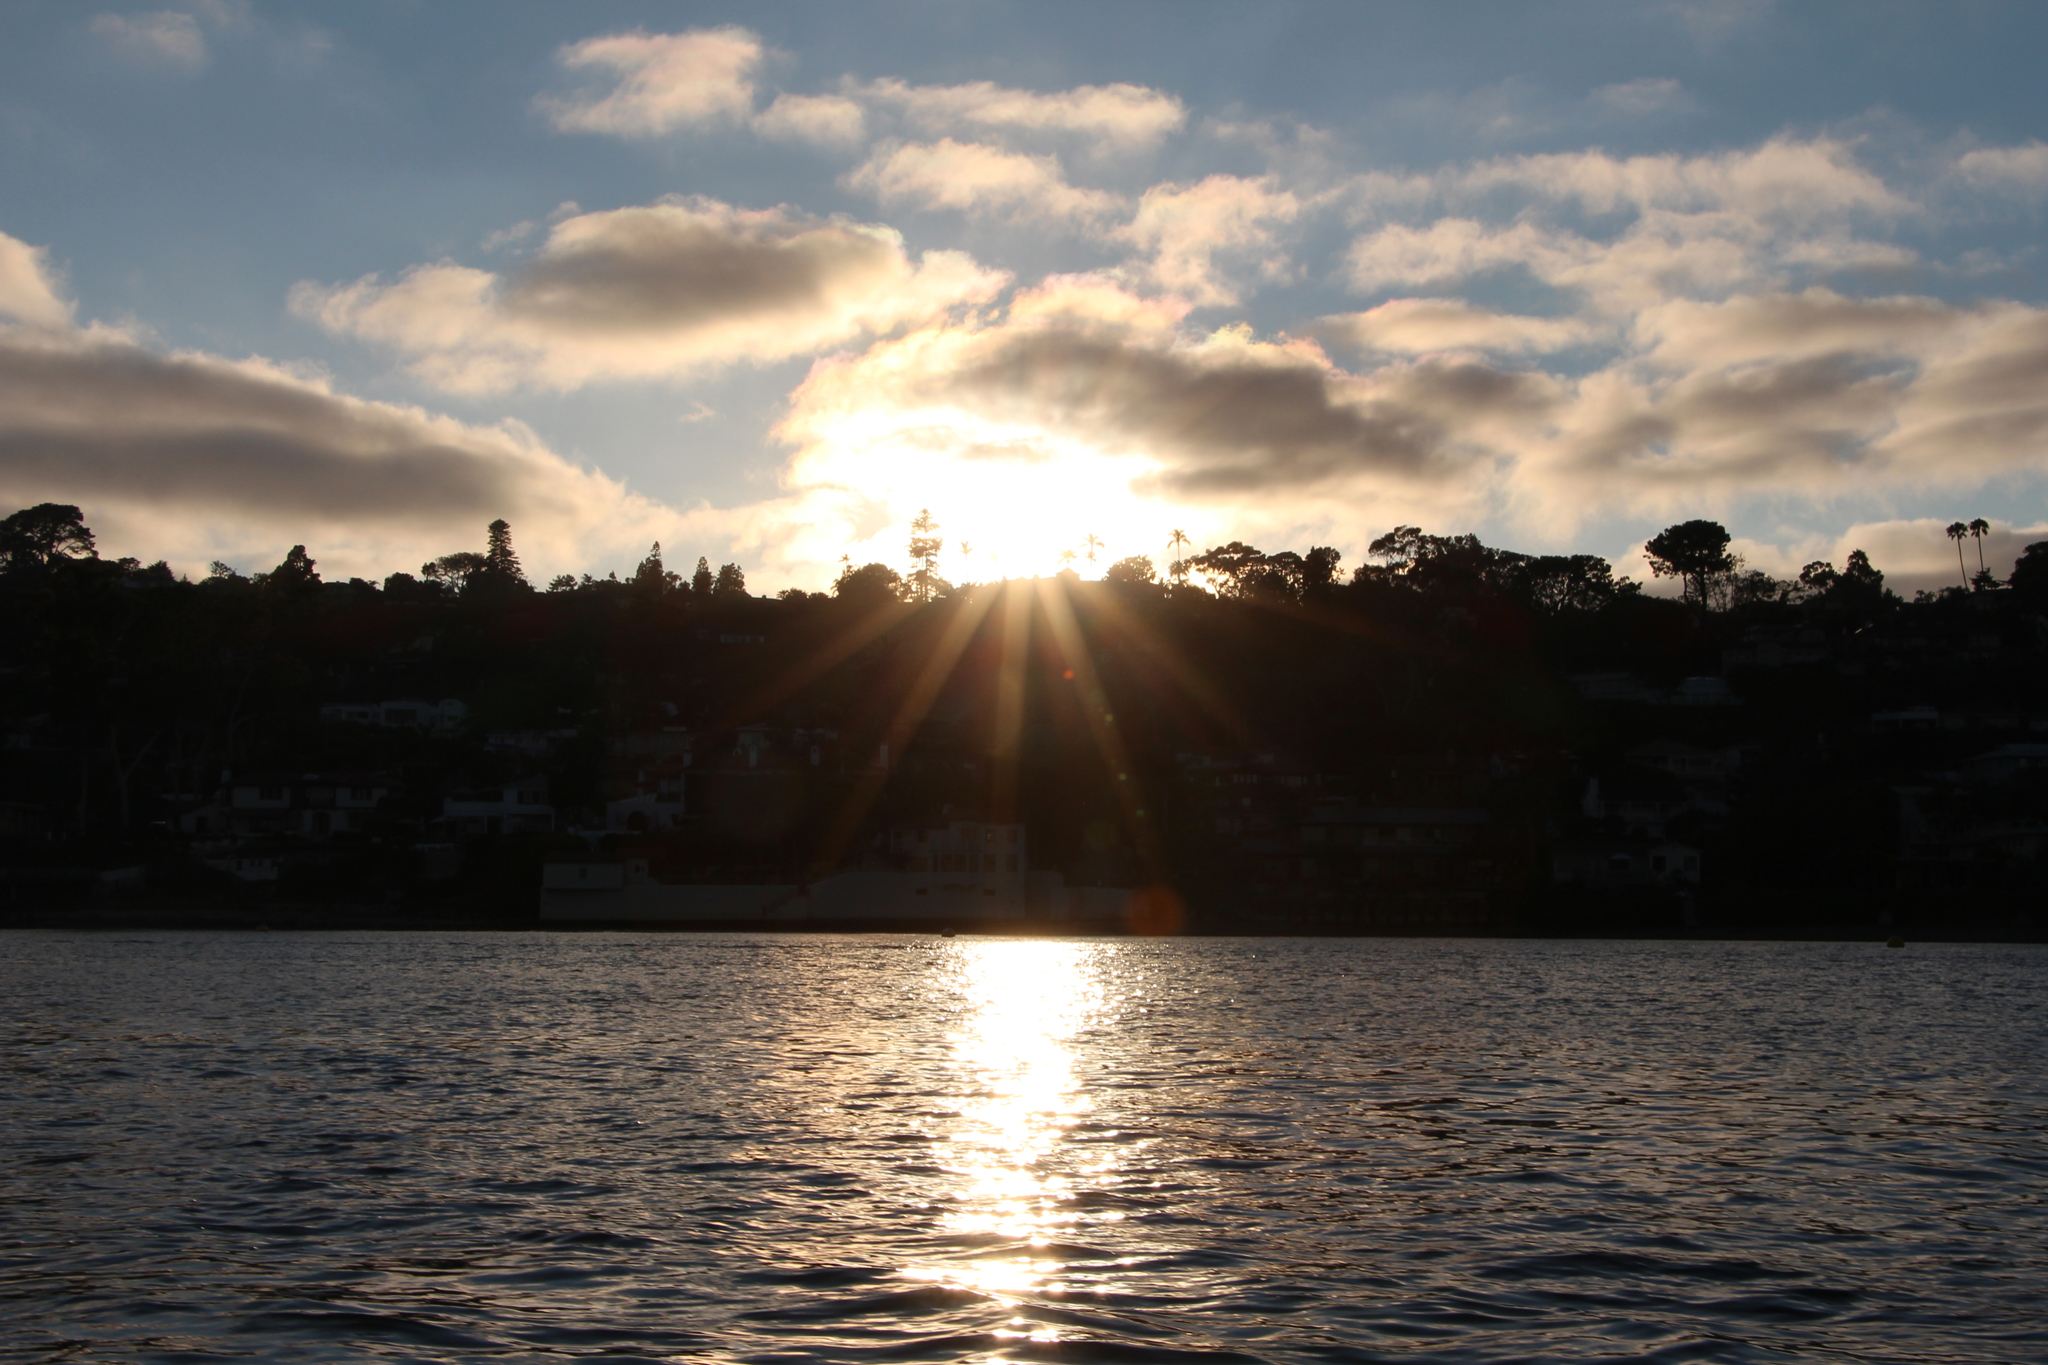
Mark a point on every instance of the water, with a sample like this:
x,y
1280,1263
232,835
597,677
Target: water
x,y
432,1147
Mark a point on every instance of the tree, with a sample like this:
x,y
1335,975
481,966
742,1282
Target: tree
x,y
1229,568
501,562
1319,570
653,578
294,574
1131,570
1093,542
453,571
1956,531
37,537
1696,554
562,582
701,581
925,545
2029,581
730,584
1555,583
870,584
1980,528
1177,543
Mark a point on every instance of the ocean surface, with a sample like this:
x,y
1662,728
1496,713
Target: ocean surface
x,y
360,1146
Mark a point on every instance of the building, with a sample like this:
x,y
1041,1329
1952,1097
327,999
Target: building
x,y
516,808
308,806
406,713
1623,865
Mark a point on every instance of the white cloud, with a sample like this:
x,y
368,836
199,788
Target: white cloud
x,y
2023,170
976,179
29,290
661,81
1187,228
1117,116
165,37
1414,326
652,292
827,120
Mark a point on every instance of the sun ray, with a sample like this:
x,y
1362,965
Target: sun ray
x,y
1066,634
910,713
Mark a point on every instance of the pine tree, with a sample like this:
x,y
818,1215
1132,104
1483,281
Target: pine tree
x,y
501,562
701,581
924,555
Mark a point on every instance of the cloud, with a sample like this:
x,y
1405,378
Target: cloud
x,y
1186,228
1215,416
652,292
165,37
1414,326
1811,395
1915,554
972,178
1645,97
660,81
2021,170
1116,116
28,287
194,456
827,120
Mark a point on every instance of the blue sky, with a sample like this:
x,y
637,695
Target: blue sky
x,y
760,281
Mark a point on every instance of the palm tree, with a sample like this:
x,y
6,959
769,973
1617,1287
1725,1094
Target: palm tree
x,y
1066,559
1956,531
1094,543
1980,528
1177,540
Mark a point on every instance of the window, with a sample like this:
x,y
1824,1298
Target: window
x,y
270,793
359,794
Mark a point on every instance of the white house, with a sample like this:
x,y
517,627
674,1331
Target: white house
x,y
516,808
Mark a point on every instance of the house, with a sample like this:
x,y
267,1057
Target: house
x,y
2006,761
1687,762
966,849
406,713
311,805
1618,865
516,808
1642,800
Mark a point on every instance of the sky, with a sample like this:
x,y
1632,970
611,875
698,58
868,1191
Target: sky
x,y
759,282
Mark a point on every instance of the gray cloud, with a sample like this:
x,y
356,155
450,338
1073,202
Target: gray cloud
x,y
655,291
212,452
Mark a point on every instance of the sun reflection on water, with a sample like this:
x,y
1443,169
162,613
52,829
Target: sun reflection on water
x,y
1025,1008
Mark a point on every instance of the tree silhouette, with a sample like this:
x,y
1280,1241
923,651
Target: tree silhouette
x,y
731,583
925,545
295,574
1980,528
452,571
1176,544
701,581
1693,552
1094,543
1132,570
1956,531
501,561
37,537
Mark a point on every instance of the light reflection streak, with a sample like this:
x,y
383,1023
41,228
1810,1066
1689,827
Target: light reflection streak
x,y
1025,1006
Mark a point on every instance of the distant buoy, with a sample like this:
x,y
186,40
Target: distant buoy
x,y
1895,942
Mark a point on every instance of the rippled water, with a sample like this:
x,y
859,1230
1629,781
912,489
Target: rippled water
x,y
430,1147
